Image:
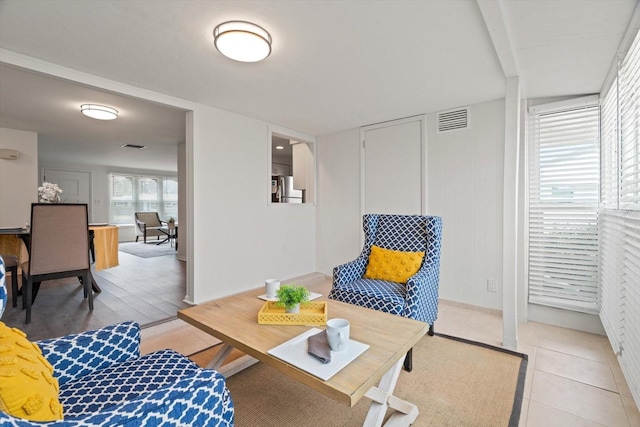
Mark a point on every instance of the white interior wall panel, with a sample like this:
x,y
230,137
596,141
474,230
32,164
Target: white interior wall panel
x,y
339,223
392,162
16,195
464,176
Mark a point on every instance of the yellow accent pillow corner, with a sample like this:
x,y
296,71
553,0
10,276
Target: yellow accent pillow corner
x,y
28,389
392,266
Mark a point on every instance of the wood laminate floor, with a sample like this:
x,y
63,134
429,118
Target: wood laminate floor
x,y
147,290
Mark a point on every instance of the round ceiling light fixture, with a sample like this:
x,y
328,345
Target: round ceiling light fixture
x,y
242,41
99,112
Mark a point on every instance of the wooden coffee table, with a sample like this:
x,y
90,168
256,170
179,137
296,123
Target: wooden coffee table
x,y
234,320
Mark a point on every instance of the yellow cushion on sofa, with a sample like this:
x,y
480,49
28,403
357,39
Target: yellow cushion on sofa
x,y
28,389
393,266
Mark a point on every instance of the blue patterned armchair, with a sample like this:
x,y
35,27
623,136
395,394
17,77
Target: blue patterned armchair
x,y
418,298
104,381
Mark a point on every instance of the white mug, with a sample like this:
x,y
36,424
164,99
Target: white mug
x,y
271,287
338,334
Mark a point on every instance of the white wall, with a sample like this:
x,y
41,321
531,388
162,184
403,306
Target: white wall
x,y
182,199
465,170
18,178
339,224
239,238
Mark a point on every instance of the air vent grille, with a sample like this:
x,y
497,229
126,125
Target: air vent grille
x,y
134,146
452,120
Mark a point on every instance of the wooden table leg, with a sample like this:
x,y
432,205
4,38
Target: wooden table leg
x,y
382,396
232,367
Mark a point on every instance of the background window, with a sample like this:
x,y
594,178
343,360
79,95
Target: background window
x,y
564,184
130,193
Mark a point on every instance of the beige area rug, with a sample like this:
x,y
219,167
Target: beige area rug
x,y
454,382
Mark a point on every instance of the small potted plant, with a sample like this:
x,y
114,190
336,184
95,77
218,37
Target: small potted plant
x,y
171,222
291,296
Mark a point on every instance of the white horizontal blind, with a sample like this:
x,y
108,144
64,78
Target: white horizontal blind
x,y
564,183
609,158
619,224
612,302
609,223
629,99
630,351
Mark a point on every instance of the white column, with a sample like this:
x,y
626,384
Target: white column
x,y
510,214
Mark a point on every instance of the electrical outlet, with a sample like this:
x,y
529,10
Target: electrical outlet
x,y
492,286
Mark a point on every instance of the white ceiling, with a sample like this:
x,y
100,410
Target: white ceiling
x,y
335,65
51,107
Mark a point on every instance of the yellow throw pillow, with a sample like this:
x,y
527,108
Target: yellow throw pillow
x,y
28,389
392,266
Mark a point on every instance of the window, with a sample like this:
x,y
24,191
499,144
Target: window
x,y
564,183
130,193
170,197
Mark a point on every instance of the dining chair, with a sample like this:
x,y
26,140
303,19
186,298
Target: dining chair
x,y
58,248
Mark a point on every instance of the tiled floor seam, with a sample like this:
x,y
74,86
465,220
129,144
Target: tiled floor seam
x,y
580,382
557,408
575,355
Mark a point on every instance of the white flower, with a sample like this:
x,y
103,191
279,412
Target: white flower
x,y
49,193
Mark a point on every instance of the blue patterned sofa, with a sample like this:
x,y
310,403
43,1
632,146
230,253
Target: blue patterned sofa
x,y
104,381
418,297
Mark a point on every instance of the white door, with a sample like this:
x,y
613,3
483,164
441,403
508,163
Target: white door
x,y
393,167
75,185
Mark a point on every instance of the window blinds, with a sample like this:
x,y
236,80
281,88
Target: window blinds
x,y
619,219
611,263
563,208
620,293
630,348
610,181
629,104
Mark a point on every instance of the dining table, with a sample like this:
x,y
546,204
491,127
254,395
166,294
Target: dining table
x,y
104,245
15,241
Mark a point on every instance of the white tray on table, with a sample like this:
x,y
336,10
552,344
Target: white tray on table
x,y
294,352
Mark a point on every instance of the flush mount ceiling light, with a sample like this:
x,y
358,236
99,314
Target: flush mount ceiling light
x,y
99,112
242,41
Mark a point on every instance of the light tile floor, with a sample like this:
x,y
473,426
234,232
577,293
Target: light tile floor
x,y
573,378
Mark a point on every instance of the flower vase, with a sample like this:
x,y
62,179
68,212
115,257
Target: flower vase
x,y
49,193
